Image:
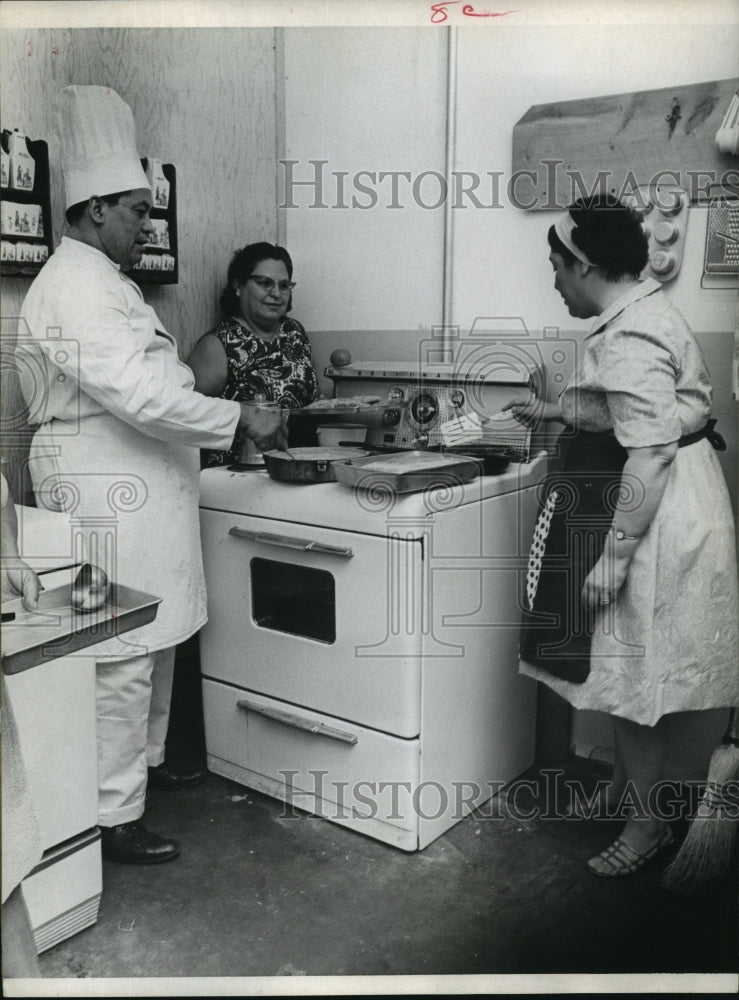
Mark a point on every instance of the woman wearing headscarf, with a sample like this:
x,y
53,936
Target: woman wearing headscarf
x,y
631,592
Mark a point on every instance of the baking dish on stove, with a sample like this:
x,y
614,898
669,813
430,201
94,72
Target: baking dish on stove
x,y
407,471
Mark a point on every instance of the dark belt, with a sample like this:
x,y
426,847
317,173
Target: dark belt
x,y
705,432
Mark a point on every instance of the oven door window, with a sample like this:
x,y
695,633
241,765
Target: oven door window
x,y
295,599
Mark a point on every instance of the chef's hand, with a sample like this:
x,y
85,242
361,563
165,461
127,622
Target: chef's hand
x,y
266,427
533,411
18,579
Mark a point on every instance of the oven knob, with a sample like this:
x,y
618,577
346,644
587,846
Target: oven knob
x,y
422,439
396,394
391,418
673,204
662,262
457,398
665,233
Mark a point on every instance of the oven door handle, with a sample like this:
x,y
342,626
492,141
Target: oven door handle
x,y
298,722
287,542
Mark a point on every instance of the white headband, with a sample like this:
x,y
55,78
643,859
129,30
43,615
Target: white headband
x,y
563,228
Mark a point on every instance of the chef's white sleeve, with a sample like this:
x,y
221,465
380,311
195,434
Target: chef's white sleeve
x,y
134,373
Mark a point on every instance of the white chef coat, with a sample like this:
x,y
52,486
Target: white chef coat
x,y
121,428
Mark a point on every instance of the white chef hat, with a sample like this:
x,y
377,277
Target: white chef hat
x,y
98,144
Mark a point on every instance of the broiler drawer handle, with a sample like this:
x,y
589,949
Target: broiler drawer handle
x,y
286,542
298,722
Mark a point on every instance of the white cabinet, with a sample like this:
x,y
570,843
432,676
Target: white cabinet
x,y
54,708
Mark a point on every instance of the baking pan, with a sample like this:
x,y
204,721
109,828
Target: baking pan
x,y
308,465
57,629
407,471
492,462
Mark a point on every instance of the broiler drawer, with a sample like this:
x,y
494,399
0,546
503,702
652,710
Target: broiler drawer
x,y
351,775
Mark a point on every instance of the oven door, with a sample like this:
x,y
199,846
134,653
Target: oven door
x,y
325,619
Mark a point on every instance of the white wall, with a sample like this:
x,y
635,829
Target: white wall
x,y
375,99
500,255
369,99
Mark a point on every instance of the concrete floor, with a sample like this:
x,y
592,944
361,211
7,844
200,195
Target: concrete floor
x,y
255,894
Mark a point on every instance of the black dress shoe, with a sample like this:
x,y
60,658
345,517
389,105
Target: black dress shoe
x,y
133,844
167,777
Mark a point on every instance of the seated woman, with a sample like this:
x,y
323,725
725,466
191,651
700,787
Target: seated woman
x,y
255,350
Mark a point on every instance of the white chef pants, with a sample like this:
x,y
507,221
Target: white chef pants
x,y
133,698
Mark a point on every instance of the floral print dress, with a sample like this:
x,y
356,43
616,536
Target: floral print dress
x,y
281,370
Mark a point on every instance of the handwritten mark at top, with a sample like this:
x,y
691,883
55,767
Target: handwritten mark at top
x,y
439,12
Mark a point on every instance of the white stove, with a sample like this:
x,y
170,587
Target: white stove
x,y
361,655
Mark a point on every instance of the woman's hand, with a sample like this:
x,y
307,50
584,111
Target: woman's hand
x,y
265,426
644,477
605,579
533,411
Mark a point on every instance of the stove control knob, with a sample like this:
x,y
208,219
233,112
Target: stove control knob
x,y
662,262
422,439
396,393
665,233
391,418
673,203
457,398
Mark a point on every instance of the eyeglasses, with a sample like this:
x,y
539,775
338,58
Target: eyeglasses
x,y
269,285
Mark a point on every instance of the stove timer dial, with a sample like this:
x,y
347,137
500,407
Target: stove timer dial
x,y
424,408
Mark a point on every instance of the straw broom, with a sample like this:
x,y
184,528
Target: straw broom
x,y
705,853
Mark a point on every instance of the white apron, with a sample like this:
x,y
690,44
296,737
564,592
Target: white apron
x,y
133,506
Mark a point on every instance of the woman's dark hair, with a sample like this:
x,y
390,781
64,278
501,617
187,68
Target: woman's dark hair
x,y
243,263
610,235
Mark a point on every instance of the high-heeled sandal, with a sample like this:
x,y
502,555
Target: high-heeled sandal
x,y
619,860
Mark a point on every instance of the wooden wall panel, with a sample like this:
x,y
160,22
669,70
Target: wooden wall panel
x,y
203,99
631,138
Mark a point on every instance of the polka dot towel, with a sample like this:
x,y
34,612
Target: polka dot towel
x,y
537,547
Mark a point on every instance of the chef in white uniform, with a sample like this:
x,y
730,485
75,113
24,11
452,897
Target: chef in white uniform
x,y
118,445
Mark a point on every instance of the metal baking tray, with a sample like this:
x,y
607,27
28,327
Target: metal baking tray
x,y
57,629
407,471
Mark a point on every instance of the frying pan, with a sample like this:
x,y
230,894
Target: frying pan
x,y
308,465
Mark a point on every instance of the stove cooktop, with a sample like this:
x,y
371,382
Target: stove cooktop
x,y
333,505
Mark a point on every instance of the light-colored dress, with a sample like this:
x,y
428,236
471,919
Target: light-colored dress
x,y
670,641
